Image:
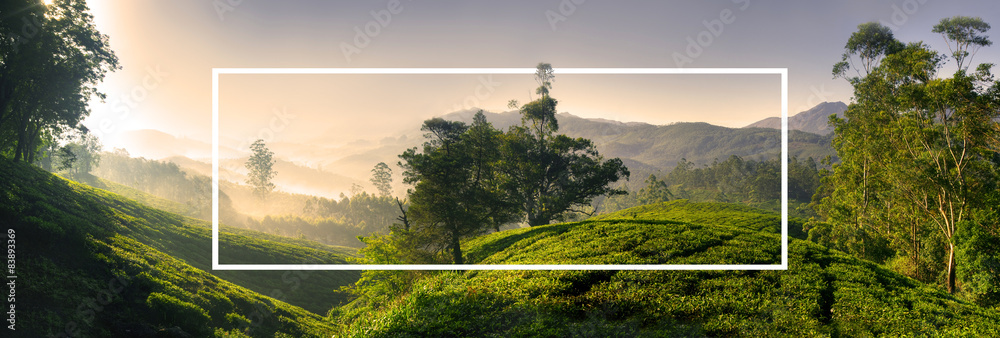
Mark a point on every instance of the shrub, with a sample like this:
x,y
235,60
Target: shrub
x,y
175,312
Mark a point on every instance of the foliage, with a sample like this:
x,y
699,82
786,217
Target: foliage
x,y
163,179
177,312
979,263
870,44
318,219
49,74
963,33
81,156
260,166
547,174
917,159
734,180
457,190
655,191
471,179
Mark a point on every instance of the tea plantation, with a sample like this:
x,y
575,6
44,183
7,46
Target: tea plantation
x,y
92,263
823,292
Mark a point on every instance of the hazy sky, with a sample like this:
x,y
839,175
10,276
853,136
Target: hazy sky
x,y
168,50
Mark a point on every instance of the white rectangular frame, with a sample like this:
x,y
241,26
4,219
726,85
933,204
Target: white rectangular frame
x,y
431,71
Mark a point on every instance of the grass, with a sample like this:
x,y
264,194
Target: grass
x,y
823,293
94,263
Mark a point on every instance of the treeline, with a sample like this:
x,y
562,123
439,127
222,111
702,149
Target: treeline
x,y
334,222
734,180
320,219
159,178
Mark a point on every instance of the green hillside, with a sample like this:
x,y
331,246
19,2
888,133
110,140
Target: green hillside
x,y
642,235
135,195
93,263
823,292
253,247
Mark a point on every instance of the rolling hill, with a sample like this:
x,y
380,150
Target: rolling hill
x,y
823,293
93,263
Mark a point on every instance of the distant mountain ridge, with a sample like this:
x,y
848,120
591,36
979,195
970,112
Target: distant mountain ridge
x,y
643,147
815,120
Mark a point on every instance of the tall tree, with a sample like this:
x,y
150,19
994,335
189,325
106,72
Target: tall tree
x,y
382,179
51,60
916,154
261,169
549,174
456,190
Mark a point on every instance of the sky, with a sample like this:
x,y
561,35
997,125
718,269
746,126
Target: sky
x,y
168,49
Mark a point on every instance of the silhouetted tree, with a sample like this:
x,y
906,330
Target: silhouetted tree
x,y
548,174
382,179
261,167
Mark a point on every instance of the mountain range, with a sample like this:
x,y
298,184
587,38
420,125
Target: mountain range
x,y
645,148
815,120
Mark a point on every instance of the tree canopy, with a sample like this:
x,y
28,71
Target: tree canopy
x,y
869,44
457,190
964,37
51,59
470,179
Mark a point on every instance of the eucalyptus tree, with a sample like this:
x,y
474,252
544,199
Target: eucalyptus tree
x,y
918,158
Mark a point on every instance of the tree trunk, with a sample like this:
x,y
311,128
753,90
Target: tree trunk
x,y
951,268
456,249
537,219
22,137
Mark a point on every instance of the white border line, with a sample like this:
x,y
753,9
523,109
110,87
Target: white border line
x,y
432,71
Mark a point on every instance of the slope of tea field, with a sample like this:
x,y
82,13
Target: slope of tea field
x,y
823,292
